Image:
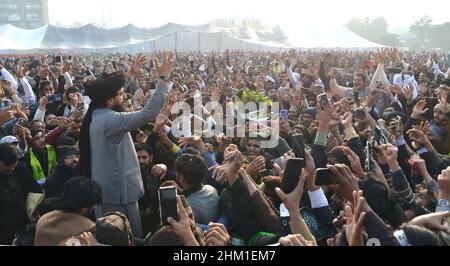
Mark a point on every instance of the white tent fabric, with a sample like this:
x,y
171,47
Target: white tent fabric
x,y
337,36
15,38
182,38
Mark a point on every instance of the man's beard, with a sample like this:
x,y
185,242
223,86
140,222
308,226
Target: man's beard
x,y
144,167
50,127
71,170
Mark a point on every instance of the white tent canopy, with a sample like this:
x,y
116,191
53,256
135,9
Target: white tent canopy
x,y
337,36
182,38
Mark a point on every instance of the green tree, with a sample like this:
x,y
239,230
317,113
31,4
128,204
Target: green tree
x,y
375,30
422,27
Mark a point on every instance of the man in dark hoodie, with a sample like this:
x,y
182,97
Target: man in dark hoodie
x,y
67,167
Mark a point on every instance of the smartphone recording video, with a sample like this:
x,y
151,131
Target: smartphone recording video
x,y
324,177
168,204
292,174
284,114
298,146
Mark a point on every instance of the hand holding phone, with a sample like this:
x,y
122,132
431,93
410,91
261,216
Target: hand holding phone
x,y
322,99
380,138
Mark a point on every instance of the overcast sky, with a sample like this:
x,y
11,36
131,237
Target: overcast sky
x,y
289,14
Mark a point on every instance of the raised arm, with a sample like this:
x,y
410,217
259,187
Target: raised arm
x,y
124,122
9,77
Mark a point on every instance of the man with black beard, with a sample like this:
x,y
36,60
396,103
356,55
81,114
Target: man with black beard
x,y
50,122
67,167
147,202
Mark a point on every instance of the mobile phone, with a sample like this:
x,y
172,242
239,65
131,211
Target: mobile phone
x,y
284,114
58,59
380,138
282,147
22,122
53,98
324,177
312,222
167,204
322,99
369,153
33,64
298,146
291,174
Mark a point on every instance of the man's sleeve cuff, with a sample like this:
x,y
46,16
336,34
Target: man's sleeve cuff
x,y
400,141
318,199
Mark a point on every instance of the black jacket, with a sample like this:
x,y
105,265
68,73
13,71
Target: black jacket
x,y
54,184
14,190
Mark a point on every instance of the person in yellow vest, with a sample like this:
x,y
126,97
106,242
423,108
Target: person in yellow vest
x,y
41,158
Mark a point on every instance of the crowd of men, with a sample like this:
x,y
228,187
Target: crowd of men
x,y
86,142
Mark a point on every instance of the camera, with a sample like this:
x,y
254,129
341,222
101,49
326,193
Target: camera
x,y
58,59
22,122
53,98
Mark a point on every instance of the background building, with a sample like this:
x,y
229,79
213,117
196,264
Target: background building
x,y
27,14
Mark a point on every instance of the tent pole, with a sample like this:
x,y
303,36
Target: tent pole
x,y
220,42
176,41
